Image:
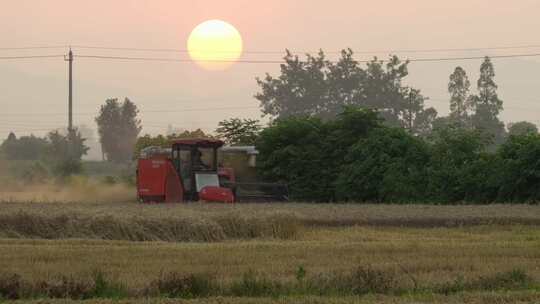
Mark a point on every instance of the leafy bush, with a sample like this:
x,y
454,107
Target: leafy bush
x,y
520,169
307,153
292,151
453,151
387,165
356,158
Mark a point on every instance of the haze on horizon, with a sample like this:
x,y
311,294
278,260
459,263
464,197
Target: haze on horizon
x,y
33,93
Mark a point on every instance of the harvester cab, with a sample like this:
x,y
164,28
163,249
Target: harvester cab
x,y
188,171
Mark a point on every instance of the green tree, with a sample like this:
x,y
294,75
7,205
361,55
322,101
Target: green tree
x,y
292,151
165,141
118,127
320,88
460,106
416,118
150,141
389,165
453,150
65,152
300,90
8,147
239,132
190,134
487,104
522,128
307,152
382,90
344,79
520,181
24,148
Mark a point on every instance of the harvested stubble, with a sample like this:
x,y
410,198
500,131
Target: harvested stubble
x,y
138,228
434,256
210,222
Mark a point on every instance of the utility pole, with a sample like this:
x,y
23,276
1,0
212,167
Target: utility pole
x,y
70,96
70,105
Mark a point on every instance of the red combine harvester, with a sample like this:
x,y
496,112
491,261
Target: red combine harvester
x,y
189,171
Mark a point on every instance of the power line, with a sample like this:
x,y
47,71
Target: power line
x,y
201,109
507,100
147,111
30,130
174,50
122,58
432,50
29,124
4,123
452,49
136,49
32,48
156,59
31,57
473,57
506,106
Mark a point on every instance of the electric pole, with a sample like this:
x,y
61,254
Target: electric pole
x,y
70,96
70,105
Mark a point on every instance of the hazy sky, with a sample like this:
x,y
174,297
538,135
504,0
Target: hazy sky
x,y
33,93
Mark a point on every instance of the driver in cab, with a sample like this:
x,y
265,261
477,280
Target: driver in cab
x,y
198,163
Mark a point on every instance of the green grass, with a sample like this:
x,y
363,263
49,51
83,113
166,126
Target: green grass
x,y
361,281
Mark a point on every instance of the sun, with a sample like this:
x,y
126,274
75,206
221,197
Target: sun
x,y
215,45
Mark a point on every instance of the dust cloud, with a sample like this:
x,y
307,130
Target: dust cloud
x,y
76,189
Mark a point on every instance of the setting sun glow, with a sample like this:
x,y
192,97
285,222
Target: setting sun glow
x,y
215,45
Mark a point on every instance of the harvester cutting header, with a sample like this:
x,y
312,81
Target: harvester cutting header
x,y
190,171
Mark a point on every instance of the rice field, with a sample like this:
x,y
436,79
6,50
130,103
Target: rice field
x,y
332,215
425,254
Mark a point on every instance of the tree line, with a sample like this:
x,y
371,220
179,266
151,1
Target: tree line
x,y
62,152
317,87
358,158
343,132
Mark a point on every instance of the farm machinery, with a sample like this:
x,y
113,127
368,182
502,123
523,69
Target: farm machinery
x,y
190,171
